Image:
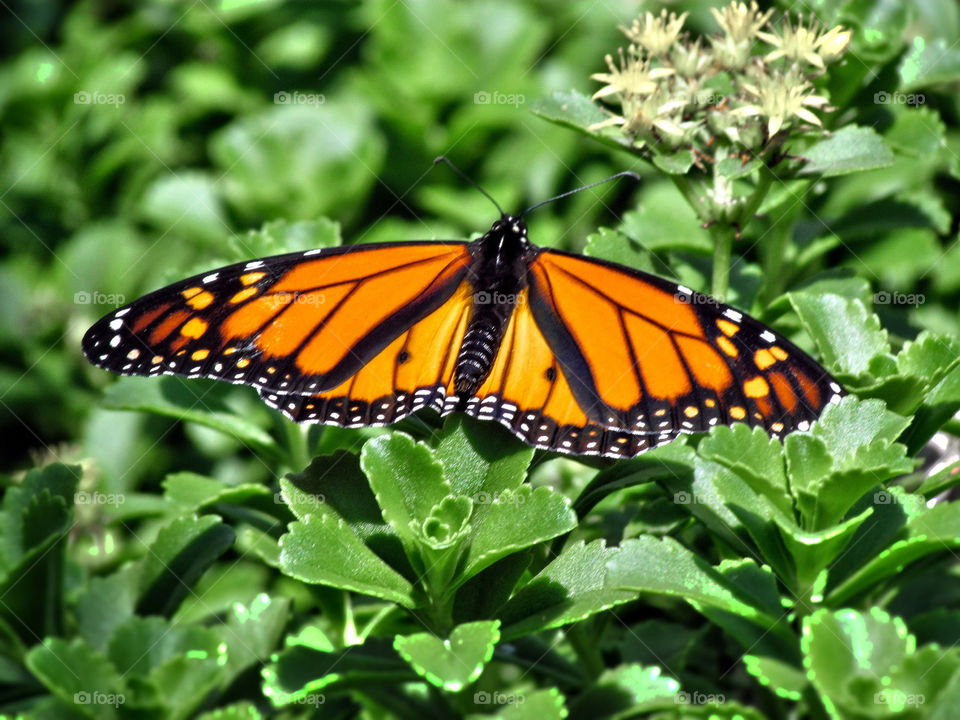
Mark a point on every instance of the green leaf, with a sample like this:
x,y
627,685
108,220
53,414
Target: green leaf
x,y
185,400
570,588
663,220
927,531
407,480
917,131
322,549
848,451
237,711
221,589
282,236
615,246
475,460
79,677
188,200
545,704
299,671
754,456
625,691
665,567
812,551
578,112
334,144
105,603
850,149
17,536
517,520
847,655
181,552
253,631
848,337
336,484
929,62
678,163
454,663
195,492
783,679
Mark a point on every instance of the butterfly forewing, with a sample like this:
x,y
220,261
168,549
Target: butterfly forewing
x,y
658,358
291,323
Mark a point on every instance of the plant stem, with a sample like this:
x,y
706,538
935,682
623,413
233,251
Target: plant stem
x,y
297,445
584,643
722,235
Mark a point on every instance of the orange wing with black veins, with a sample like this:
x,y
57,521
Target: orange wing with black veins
x,y
302,323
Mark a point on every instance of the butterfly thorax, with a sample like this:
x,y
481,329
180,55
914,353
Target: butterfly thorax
x,y
498,276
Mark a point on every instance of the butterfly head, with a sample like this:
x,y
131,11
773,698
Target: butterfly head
x,y
509,232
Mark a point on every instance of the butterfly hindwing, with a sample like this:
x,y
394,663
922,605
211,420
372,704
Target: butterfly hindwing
x,y
528,392
291,323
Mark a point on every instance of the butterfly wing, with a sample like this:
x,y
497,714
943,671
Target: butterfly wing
x,y
530,393
296,323
415,370
654,358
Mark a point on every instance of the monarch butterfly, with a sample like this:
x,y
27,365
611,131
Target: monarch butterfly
x,y
571,354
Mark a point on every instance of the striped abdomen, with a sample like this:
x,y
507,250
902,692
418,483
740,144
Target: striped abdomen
x,y
481,341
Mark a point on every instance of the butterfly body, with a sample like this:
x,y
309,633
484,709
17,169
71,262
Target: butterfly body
x,y
498,276
571,354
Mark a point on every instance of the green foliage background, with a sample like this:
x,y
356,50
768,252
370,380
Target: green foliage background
x,y
164,556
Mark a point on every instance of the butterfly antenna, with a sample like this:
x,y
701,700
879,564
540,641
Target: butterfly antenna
x,y
444,159
625,173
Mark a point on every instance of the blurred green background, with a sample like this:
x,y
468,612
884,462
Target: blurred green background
x,y
138,137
